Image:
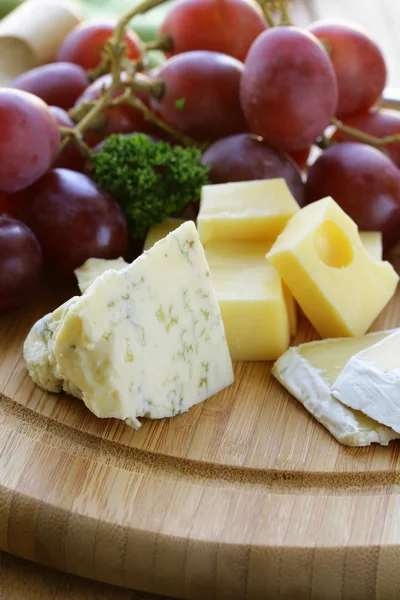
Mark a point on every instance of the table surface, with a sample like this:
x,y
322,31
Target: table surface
x,y
22,579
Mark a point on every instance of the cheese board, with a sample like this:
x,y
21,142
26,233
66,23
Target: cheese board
x,y
243,496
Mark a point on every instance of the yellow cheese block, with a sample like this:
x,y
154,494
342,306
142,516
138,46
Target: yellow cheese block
x,y
259,314
338,285
158,232
247,210
258,311
372,241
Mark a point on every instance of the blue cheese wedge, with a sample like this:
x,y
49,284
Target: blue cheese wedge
x,y
309,373
370,382
148,340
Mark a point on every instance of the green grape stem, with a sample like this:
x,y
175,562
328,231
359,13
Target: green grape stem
x,y
113,55
366,138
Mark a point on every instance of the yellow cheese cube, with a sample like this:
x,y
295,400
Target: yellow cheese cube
x,y
321,258
247,210
259,314
372,241
158,232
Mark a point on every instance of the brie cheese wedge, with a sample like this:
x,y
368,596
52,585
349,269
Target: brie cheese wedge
x,y
310,370
370,382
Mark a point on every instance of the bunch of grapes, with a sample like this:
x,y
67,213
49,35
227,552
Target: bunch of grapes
x,y
254,94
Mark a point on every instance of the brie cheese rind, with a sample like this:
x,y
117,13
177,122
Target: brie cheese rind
x,y
146,341
370,382
309,371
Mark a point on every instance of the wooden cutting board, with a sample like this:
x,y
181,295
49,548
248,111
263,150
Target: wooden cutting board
x,y
244,496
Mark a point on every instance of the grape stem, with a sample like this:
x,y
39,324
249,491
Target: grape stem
x,y
114,53
366,138
163,43
284,12
268,13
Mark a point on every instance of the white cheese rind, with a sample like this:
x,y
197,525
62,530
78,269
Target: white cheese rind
x,y
370,382
148,341
308,385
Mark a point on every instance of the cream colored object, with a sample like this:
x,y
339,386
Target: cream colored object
x,y
370,382
39,355
322,260
32,33
255,211
372,241
309,372
147,340
94,267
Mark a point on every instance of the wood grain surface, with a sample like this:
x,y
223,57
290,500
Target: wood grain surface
x,y
243,497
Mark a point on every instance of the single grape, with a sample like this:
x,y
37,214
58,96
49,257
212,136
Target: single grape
x,y
300,157
245,157
29,139
20,263
377,122
118,119
227,26
201,95
84,44
59,84
73,220
71,157
358,62
288,88
364,182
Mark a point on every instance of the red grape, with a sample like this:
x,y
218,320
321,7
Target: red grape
x,y
118,119
29,139
201,95
364,182
20,263
288,88
377,122
74,220
71,157
245,157
227,26
59,84
300,157
84,44
358,62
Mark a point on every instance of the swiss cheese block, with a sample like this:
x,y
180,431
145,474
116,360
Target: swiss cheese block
x,y
338,285
254,211
370,382
148,340
309,373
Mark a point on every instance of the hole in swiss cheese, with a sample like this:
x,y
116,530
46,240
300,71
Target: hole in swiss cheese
x,y
333,246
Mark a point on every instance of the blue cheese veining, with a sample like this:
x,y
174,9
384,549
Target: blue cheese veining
x,y
148,340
